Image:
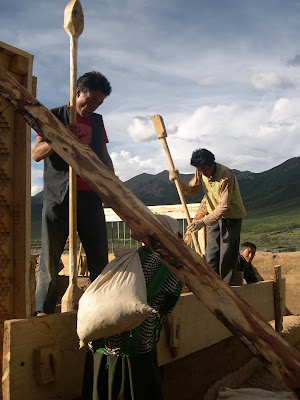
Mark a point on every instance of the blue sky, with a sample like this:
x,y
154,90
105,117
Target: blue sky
x,y
224,75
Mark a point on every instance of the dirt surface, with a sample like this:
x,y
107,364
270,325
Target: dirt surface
x,y
264,379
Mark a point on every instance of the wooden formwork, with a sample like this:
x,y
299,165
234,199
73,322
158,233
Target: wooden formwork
x,y
15,158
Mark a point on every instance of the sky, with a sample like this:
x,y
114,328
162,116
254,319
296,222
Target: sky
x,y
223,74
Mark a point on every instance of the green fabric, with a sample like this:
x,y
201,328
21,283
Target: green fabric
x,y
127,378
236,209
158,280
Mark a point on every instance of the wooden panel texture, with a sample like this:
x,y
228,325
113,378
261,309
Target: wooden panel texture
x,y
42,359
15,161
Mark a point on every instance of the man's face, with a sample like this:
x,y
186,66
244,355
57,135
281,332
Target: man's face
x,y
248,254
206,170
88,102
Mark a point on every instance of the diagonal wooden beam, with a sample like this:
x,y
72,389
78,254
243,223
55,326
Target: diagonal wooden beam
x,y
278,356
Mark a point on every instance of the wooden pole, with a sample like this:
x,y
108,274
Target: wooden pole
x,y
278,298
73,24
244,322
161,132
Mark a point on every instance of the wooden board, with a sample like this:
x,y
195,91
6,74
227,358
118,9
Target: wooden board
x,y
196,328
42,359
28,343
15,196
173,210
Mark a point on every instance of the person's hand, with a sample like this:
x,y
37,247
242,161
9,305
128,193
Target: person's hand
x,y
195,226
173,175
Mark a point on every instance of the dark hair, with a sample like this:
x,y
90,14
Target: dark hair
x,y
245,245
202,157
94,81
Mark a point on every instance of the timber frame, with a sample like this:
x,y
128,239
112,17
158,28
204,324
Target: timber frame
x,y
15,200
279,357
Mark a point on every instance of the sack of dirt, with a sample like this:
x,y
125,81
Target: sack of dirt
x,y
116,301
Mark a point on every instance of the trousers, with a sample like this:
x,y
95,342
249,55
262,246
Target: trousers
x,y
222,249
92,232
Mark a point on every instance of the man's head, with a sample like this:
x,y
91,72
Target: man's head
x,y
204,161
92,89
248,251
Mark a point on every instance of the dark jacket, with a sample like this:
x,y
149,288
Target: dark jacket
x,y
56,170
247,268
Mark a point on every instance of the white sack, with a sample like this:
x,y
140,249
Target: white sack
x,y
116,301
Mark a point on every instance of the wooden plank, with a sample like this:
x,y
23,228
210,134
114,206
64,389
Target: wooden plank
x,y
173,210
15,198
6,48
21,217
41,358
18,65
4,60
190,316
6,214
278,356
278,298
38,350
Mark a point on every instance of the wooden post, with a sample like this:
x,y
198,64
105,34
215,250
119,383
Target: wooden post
x,y
73,24
278,356
162,134
15,211
278,298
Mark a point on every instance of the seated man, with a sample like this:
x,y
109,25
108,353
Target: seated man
x,y
247,253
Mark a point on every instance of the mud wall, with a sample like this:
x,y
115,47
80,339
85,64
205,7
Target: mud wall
x,y
264,263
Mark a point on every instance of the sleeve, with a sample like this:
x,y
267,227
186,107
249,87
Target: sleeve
x,y
194,186
173,287
249,274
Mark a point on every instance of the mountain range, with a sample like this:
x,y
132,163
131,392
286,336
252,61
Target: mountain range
x,y
277,189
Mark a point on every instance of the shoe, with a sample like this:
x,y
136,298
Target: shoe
x,y
39,314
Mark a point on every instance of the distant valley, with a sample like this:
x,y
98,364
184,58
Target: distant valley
x,y
271,198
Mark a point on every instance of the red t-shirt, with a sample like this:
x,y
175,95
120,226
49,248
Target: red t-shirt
x,y
84,128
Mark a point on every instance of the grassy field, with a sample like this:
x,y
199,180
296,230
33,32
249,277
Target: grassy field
x,y
276,228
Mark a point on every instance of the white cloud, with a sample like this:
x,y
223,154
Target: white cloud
x,y
35,189
270,80
126,166
255,138
141,129
218,84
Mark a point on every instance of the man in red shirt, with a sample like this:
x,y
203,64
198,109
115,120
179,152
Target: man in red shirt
x,y
92,90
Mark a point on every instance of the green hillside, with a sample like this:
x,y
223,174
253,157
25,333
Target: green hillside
x,y
271,198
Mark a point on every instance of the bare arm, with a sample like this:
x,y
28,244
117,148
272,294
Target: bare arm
x,y
107,160
41,149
